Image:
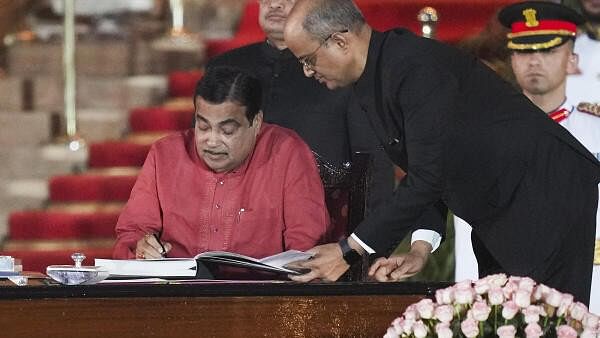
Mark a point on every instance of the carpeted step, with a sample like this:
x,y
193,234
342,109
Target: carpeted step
x,y
42,224
183,83
117,154
39,259
106,188
159,119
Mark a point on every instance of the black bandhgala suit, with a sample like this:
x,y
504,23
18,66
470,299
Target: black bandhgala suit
x,y
471,143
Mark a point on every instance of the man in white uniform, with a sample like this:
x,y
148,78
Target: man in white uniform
x,y
541,63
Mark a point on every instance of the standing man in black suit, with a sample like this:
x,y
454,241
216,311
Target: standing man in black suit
x,y
323,118
469,142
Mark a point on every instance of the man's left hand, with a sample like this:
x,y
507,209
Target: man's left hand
x,y
327,264
398,267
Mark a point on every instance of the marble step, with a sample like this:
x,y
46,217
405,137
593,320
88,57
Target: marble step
x,y
46,92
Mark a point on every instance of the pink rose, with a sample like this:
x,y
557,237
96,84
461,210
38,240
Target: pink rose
x,y
497,280
398,325
540,292
506,331
481,311
443,330
407,326
590,321
526,283
509,309
444,296
391,333
565,331
425,308
495,296
565,303
522,298
514,279
531,314
578,310
464,295
554,297
589,333
533,330
509,288
419,329
469,328
411,312
444,313
481,286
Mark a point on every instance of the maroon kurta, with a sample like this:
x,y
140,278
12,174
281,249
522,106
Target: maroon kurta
x,y
273,202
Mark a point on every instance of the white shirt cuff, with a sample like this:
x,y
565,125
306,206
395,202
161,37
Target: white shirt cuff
x,y
428,236
362,244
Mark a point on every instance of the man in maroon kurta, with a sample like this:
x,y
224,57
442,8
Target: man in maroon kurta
x,y
232,183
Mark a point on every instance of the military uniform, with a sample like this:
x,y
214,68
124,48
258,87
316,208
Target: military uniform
x,y
584,124
586,85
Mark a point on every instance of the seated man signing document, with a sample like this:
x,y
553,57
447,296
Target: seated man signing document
x,y
233,183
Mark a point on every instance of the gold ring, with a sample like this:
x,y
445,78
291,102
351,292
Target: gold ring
x,y
140,255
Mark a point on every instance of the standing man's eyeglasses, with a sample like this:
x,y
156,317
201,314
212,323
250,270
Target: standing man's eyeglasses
x,y
268,2
308,61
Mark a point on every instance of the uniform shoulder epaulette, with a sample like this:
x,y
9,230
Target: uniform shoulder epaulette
x,y
590,108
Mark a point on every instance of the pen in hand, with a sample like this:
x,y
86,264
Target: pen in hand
x,y
163,252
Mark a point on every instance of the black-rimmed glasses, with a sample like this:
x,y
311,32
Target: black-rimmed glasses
x,y
308,62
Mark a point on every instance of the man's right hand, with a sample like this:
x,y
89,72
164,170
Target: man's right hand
x,y
149,248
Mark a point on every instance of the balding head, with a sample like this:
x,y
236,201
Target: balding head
x,y
330,39
320,18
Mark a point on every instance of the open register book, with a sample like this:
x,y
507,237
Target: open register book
x,y
187,267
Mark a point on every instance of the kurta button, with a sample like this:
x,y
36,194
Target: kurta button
x,y
217,206
221,182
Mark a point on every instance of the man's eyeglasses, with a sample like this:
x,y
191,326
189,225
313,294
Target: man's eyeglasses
x,y
308,62
268,2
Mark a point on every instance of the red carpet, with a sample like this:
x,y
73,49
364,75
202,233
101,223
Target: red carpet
x,y
183,83
117,154
101,188
159,119
27,225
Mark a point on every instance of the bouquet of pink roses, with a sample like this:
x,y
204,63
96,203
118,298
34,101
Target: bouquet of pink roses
x,y
499,306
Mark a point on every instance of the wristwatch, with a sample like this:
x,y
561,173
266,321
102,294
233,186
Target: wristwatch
x,y
350,255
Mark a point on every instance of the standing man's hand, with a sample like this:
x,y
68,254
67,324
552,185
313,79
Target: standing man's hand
x,y
402,266
327,264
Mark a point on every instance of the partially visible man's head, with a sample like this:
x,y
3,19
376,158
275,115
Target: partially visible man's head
x,y
272,16
319,32
228,118
591,9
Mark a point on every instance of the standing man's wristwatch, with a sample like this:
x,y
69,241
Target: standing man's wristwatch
x,y
350,255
